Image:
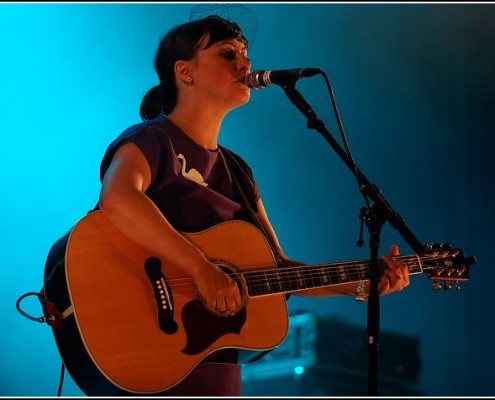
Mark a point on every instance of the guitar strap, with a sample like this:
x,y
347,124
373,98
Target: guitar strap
x,y
233,166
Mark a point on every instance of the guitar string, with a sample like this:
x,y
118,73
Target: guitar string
x,y
292,271
258,278
315,270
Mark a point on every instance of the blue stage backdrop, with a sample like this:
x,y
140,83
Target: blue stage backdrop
x,y
415,90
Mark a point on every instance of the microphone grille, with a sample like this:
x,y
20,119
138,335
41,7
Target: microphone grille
x,y
252,80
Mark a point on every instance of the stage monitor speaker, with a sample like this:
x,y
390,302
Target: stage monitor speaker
x,y
329,357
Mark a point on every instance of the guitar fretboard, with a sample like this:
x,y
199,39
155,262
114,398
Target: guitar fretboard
x,y
292,279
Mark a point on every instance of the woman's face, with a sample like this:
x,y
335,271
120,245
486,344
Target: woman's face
x,y
218,73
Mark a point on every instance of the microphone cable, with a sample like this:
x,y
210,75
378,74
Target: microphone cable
x,y
342,132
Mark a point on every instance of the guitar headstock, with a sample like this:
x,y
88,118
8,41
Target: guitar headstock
x,y
445,266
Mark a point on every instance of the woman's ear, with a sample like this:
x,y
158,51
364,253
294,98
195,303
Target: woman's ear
x,y
182,70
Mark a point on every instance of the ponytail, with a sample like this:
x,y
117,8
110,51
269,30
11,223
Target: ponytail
x,y
158,102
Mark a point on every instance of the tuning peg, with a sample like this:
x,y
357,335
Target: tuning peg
x,y
457,286
460,272
435,249
447,285
436,285
446,246
445,249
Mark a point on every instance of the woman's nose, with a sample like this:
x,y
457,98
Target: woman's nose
x,y
245,63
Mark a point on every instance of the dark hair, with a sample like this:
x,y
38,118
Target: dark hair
x,y
182,43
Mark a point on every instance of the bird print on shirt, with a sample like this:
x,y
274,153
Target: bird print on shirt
x,y
192,174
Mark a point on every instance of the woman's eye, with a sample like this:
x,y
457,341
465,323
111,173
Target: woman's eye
x,y
229,55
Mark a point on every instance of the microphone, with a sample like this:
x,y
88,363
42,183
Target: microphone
x,y
261,79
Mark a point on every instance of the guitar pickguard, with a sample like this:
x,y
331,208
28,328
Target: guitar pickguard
x,y
203,328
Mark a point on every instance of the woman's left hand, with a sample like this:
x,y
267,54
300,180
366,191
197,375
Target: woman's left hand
x,y
396,275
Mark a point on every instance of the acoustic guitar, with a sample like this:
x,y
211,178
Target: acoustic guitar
x,y
131,321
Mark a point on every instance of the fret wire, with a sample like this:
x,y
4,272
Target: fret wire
x,y
320,275
301,277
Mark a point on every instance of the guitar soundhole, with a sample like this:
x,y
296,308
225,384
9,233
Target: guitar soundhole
x,y
234,274
163,295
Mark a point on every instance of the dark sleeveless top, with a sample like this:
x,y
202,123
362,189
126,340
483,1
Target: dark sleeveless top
x,y
191,185
193,188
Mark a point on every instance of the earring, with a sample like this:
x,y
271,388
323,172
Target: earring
x,y
188,80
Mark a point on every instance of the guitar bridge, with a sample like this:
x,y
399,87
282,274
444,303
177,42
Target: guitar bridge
x,y
163,295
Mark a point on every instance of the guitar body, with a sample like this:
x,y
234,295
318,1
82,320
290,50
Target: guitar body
x,y
137,323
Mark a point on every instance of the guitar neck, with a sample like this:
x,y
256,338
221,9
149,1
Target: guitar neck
x,y
293,279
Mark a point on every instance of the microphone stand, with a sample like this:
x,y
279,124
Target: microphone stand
x,y
375,217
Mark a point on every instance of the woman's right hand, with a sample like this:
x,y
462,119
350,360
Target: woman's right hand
x,y
218,291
